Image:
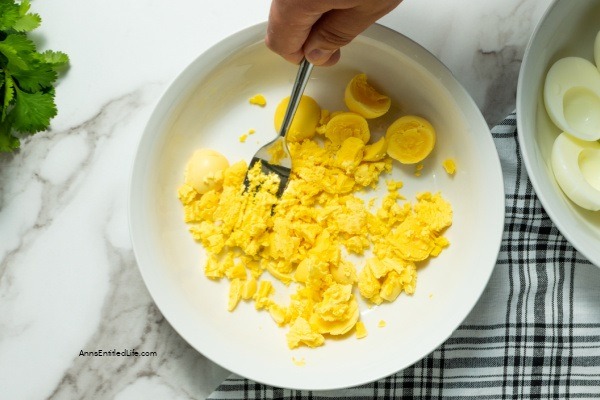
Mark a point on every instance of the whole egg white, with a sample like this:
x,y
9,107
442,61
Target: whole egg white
x,y
576,166
572,97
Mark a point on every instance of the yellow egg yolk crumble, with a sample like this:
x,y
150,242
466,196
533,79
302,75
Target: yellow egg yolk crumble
x,y
304,237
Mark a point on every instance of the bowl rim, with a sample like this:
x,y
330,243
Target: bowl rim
x,y
572,235
436,68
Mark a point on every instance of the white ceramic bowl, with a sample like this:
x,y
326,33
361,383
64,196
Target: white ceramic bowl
x,y
567,29
207,106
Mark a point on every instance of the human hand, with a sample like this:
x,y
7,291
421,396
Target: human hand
x,y
317,29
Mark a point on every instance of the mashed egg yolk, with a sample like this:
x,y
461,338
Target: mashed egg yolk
x,y
450,166
301,238
307,238
258,100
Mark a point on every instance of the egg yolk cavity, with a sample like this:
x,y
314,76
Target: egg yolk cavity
x,y
318,234
575,164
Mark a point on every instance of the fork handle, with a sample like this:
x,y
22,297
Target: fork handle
x,y
299,84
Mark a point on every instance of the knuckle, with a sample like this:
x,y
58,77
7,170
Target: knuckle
x,y
335,36
270,43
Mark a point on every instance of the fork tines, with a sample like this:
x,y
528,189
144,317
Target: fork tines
x,y
267,168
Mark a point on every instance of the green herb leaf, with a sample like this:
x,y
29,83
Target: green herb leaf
x,y
27,76
24,7
15,60
37,77
9,94
9,14
8,142
33,111
20,43
55,58
27,23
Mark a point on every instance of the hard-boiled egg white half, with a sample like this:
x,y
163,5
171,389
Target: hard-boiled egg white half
x,y
572,97
576,167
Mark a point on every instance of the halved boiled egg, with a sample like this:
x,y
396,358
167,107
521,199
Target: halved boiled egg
x,y
572,97
576,166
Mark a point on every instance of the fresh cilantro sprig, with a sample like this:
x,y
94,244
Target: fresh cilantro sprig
x,y
27,76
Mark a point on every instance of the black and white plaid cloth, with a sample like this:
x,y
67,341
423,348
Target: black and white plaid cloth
x,y
534,334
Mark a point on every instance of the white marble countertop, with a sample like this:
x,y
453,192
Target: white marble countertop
x,y
68,276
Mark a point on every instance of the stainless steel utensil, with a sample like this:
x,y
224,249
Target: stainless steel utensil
x,y
283,166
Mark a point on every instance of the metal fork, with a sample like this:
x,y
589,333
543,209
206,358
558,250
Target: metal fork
x,y
283,166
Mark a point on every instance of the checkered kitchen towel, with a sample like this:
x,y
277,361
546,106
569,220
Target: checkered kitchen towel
x,y
534,334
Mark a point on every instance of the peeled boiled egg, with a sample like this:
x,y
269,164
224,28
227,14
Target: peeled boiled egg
x,y
576,166
204,170
572,97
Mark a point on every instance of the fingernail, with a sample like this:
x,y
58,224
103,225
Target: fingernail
x,y
317,56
